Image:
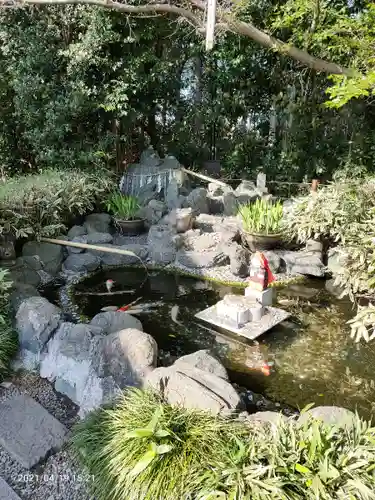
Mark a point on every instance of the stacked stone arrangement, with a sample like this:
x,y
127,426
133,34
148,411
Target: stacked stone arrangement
x,y
191,230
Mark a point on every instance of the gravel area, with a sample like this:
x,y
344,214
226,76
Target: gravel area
x,y
60,477
62,408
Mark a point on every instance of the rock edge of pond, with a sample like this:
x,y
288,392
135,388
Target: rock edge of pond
x,y
91,362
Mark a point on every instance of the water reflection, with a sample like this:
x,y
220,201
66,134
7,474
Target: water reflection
x,y
314,358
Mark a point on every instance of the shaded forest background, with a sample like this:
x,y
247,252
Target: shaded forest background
x,y
85,87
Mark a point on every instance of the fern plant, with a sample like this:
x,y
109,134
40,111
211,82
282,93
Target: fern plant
x,y
261,217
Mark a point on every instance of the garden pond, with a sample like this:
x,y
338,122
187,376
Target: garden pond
x,y
312,357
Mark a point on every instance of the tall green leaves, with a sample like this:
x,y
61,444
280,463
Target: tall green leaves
x,y
146,449
41,204
261,217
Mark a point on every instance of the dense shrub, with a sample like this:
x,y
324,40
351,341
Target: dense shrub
x,y
343,212
143,448
8,338
41,204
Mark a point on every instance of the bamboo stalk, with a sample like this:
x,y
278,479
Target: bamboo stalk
x,y
204,177
86,246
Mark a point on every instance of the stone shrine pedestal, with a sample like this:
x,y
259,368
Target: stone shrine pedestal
x,y
247,315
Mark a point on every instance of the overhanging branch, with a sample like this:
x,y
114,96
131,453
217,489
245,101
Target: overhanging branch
x,y
193,14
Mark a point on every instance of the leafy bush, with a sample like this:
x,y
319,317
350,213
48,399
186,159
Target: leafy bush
x,y
261,217
339,211
123,207
8,338
146,449
344,213
41,204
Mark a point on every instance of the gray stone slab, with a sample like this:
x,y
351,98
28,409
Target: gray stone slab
x,y
251,330
27,431
6,492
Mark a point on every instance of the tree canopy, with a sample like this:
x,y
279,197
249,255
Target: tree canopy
x,y
287,88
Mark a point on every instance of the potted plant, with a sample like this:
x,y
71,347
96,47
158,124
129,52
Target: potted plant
x,y
261,222
125,210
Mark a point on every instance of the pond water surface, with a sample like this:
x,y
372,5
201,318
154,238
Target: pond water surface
x,y
312,356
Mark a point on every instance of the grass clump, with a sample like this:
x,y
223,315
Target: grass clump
x,y
41,204
143,448
261,217
123,207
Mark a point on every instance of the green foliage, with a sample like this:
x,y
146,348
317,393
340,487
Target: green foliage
x,y
122,206
339,211
8,337
344,213
41,204
82,88
145,448
261,217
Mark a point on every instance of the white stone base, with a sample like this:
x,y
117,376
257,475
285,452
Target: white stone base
x,y
235,308
264,298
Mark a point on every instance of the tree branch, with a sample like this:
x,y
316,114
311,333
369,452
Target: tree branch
x,y
224,18
111,5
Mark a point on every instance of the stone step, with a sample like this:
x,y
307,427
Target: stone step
x,y
27,431
6,492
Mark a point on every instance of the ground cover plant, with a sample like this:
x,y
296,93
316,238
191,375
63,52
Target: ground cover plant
x,y
144,448
41,204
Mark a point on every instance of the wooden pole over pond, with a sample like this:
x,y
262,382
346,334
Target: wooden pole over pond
x,y
204,177
86,246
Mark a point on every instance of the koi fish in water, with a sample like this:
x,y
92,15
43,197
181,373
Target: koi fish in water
x,y
174,313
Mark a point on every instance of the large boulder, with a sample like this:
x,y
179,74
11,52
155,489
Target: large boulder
x,y
239,259
172,197
246,192
191,387
36,320
274,260
68,360
26,270
330,415
230,203
114,321
203,360
195,259
266,418
79,240
76,231
215,204
113,259
305,263
92,370
127,355
21,292
82,262
99,238
51,255
180,219
161,244
153,212
197,201
97,223
336,262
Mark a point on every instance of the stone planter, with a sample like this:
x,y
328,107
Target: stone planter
x,y
130,227
262,241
